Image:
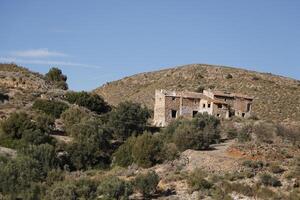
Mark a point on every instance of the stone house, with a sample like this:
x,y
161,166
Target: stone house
x,y
169,105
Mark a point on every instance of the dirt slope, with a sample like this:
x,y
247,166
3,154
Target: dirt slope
x,y
277,97
21,87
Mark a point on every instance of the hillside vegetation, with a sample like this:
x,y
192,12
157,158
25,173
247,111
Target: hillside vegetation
x,y
276,97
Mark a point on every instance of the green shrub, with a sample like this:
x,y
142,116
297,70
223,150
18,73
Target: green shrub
x,y
56,76
44,154
228,76
44,122
77,189
52,108
3,97
268,180
16,124
17,175
253,164
265,132
146,183
73,116
128,119
197,180
91,101
123,155
61,191
218,194
276,169
265,193
37,137
290,134
232,133
197,133
244,135
200,89
238,188
147,150
170,151
114,188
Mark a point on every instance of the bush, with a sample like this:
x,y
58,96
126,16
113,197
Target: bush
x,y
3,97
17,175
268,180
52,108
196,180
290,134
61,191
200,89
56,76
73,116
197,133
170,151
123,155
147,150
146,183
16,124
228,76
244,135
44,154
276,169
91,101
264,132
37,137
232,133
253,164
128,119
44,122
114,188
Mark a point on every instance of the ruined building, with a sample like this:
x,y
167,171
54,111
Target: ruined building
x,y
169,105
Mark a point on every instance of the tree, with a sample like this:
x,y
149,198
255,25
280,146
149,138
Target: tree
x,y
56,76
91,147
91,101
49,107
128,119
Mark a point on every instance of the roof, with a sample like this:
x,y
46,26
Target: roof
x,y
228,94
193,95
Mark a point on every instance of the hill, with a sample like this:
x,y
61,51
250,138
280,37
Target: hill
x,y
19,87
276,97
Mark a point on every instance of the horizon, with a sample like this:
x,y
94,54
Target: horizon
x,y
98,42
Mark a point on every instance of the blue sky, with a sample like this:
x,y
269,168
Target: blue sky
x,y
94,42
